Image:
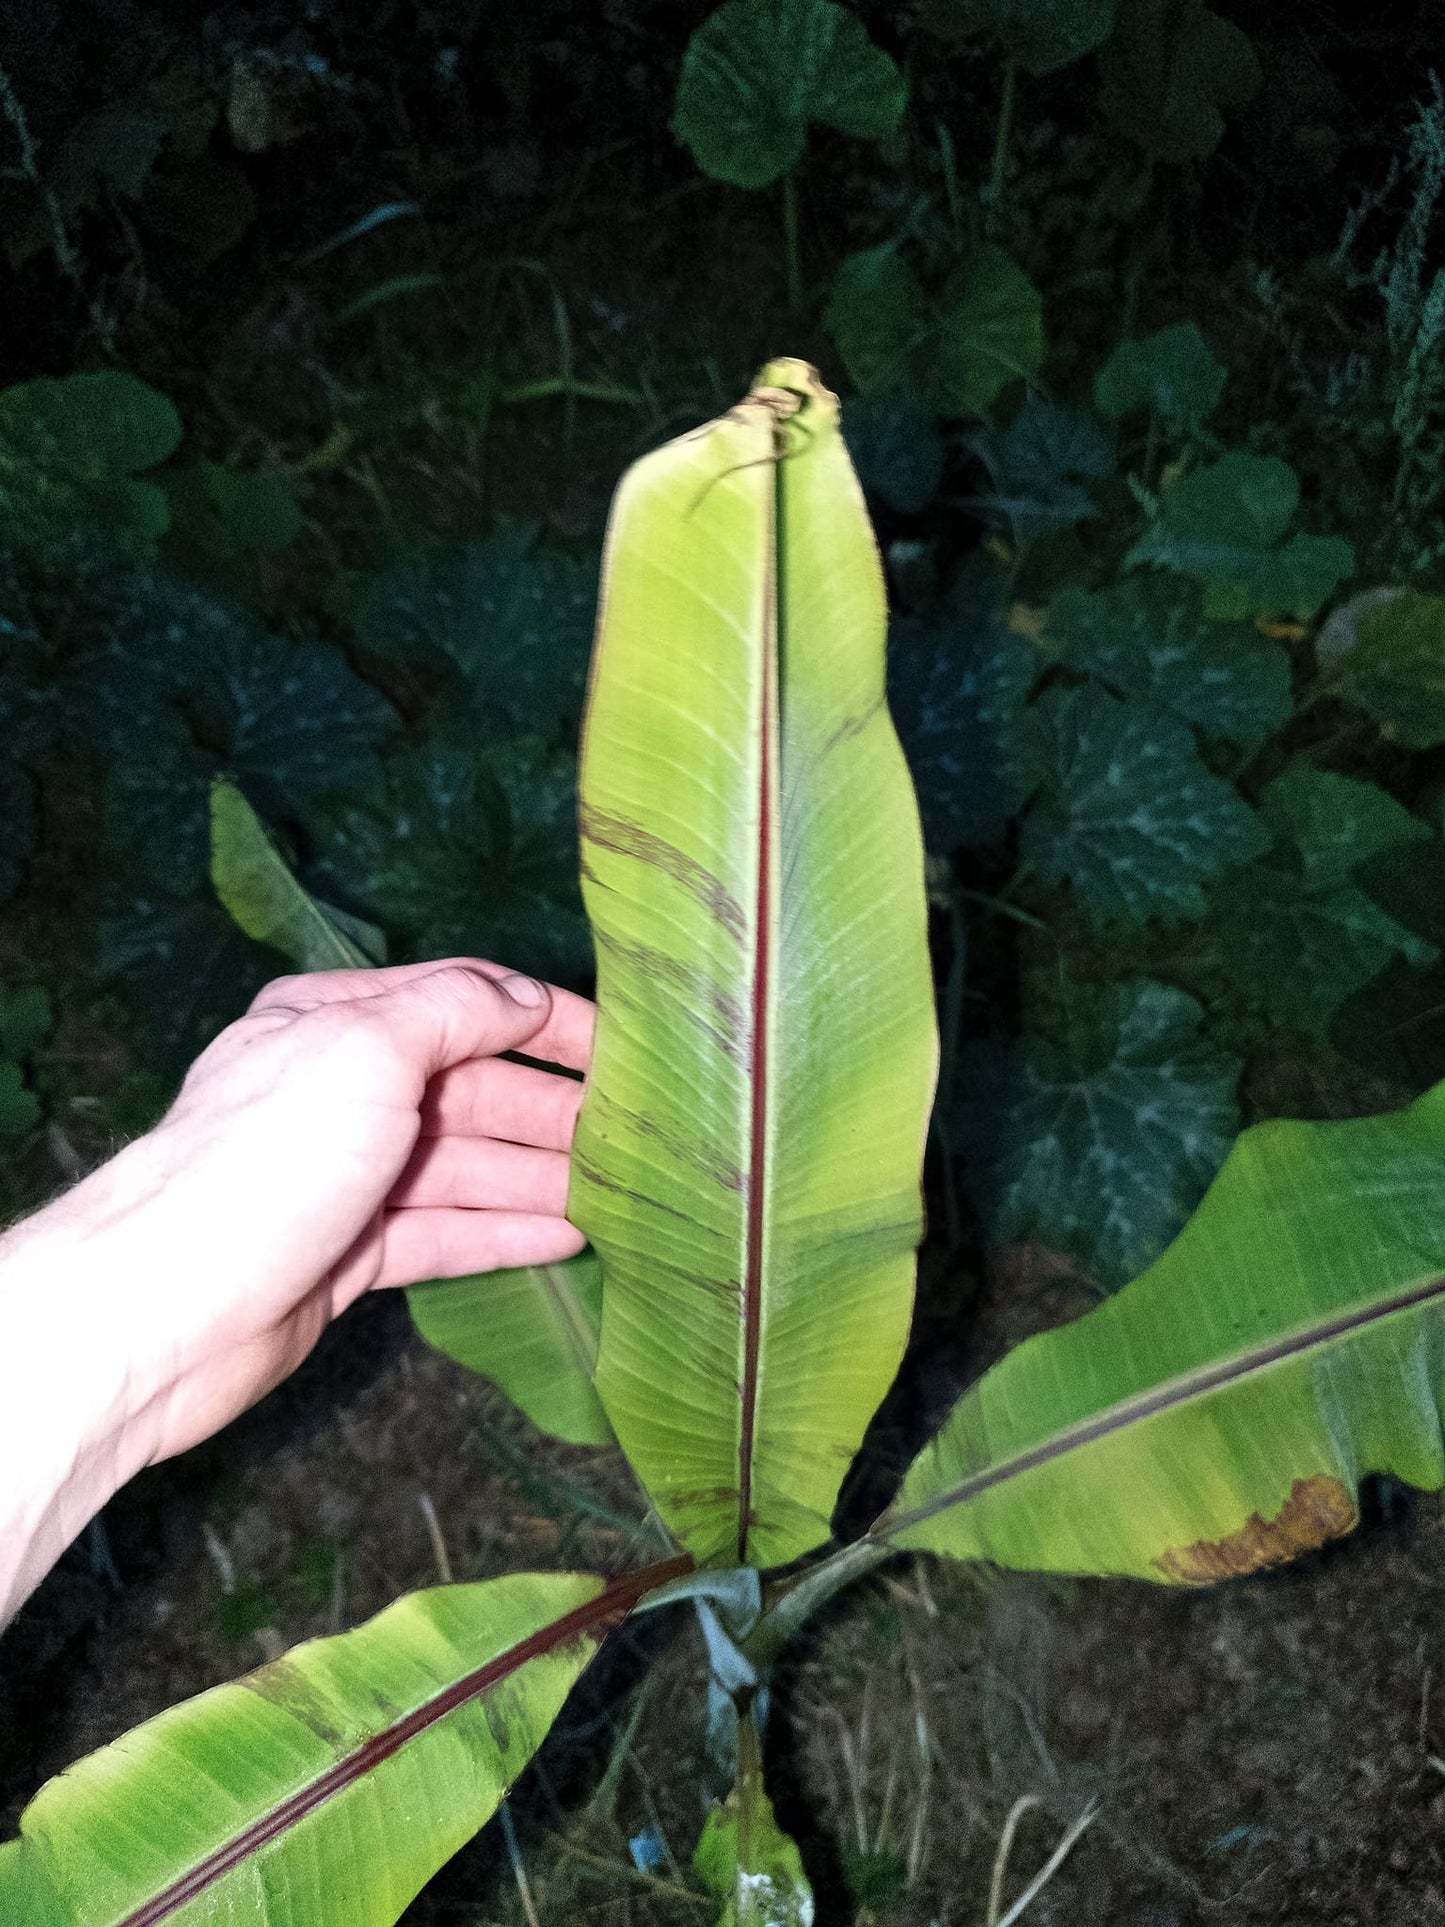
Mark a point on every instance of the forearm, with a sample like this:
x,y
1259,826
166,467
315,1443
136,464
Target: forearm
x,y
73,1414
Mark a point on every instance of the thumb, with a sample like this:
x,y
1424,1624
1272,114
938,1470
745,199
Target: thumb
x,y
458,1011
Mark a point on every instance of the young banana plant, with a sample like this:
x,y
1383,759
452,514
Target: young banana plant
x,y
747,1168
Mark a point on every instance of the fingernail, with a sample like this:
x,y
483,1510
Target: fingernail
x,y
525,991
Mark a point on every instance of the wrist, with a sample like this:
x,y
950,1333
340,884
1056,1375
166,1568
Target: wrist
x,y
76,1402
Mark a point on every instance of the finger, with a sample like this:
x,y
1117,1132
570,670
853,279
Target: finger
x,y
314,987
443,1243
493,1097
452,1013
566,1037
482,1174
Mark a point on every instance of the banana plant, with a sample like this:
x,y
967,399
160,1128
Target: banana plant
x,y
747,1168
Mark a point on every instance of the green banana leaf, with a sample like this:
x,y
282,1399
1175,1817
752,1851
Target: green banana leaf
x,y
747,1159
1218,1414
261,895
533,1332
326,1788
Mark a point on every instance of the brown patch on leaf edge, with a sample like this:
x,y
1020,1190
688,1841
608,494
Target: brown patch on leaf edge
x,y
1317,1510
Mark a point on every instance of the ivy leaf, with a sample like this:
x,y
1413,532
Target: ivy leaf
x,y
879,316
961,351
1305,903
463,852
1127,813
957,681
1171,71
1171,374
896,450
1041,35
512,615
1043,463
1144,640
1396,670
1221,524
70,450
991,332
757,73
1101,1147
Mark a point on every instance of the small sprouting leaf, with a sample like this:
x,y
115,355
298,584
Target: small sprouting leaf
x,y
957,682
464,851
1041,35
512,615
1043,463
1144,639
1101,1146
255,885
1127,813
878,315
1222,525
1396,670
757,73
991,332
69,452
1171,373
745,1859
896,449
1305,903
1171,71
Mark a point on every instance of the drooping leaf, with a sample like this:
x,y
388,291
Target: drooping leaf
x,y
1224,526
532,1331
752,867
1396,670
879,316
758,73
256,886
1171,373
1305,903
1043,464
329,1786
1146,641
512,614
1101,1147
957,681
465,851
745,1859
991,331
1041,35
1127,813
1217,1414
1171,71
69,452
896,449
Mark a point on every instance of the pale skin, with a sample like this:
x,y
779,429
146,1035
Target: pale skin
x,y
354,1130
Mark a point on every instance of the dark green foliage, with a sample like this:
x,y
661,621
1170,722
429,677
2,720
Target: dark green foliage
x,y
25,1022
757,73
1396,669
1171,374
1100,1143
1172,71
70,450
1041,35
1045,467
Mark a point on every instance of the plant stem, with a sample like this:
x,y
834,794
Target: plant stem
x,y
999,171
790,236
804,1595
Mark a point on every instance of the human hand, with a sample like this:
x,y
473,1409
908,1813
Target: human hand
x,y
355,1129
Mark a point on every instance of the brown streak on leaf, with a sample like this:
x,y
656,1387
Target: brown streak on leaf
x,y
1317,1510
625,838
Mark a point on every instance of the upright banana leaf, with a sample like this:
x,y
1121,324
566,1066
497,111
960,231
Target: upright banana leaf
x,y
747,1161
326,1788
1218,1414
533,1331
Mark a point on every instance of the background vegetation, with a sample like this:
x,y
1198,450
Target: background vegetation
x,y
330,329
